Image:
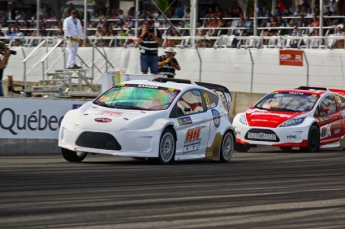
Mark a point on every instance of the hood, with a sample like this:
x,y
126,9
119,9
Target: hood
x,y
271,119
103,119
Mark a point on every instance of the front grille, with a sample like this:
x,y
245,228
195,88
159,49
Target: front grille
x,y
98,141
262,135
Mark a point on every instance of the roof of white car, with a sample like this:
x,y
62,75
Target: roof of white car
x,y
168,84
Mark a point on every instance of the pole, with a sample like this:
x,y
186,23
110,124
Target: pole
x,y
85,17
321,19
136,18
193,21
256,17
38,18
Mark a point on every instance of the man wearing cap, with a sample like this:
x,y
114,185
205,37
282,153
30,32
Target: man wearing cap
x,y
167,63
148,42
72,29
5,54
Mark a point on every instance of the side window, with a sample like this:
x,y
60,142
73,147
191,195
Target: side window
x,y
211,100
190,103
327,106
341,101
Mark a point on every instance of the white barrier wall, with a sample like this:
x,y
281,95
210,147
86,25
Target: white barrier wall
x,y
241,70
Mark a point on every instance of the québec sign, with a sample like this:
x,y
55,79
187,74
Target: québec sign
x,y
33,118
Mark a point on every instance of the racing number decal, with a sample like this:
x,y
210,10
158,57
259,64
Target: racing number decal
x,y
192,141
192,134
207,99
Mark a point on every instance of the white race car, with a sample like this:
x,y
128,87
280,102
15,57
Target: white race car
x,y
166,119
309,118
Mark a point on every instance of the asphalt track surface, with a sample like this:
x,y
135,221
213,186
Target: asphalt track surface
x,y
264,188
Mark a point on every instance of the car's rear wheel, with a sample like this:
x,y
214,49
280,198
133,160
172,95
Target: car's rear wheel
x,y
227,147
73,156
241,147
286,149
167,147
313,140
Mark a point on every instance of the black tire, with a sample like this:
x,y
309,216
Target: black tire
x,y
167,147
313,139
227,147
286,149
241,147
73,156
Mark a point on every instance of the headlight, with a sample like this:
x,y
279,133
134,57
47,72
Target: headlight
x,y
292,122
243,119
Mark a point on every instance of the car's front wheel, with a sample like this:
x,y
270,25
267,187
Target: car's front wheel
x,y
227,147
73,156
167,147
313,139
241,147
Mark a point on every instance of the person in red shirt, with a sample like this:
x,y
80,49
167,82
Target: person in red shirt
x,y
281,5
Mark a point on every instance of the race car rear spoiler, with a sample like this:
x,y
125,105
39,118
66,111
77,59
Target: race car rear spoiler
x,y
220,90
336,90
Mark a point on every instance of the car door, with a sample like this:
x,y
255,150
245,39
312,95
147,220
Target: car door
x,y
192,125
330,120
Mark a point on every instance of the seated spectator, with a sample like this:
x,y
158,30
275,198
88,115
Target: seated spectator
x,y
179,10
301,22
200,41
287,12
156,23
339,43
309,14
121,15
304,11
119,24
3,19
277,12
187,13
165,23
249,27
121,41
314,23
328,21
305,4
130,33
100,23
298,11
17,16
296,32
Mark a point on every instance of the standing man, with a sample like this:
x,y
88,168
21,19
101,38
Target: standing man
x,y
167,63
148,42
74,35
5,54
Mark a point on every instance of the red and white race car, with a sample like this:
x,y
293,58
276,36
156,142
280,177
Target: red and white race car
x,y
307,117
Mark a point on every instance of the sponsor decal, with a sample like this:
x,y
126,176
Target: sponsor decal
x,y
148,86
76,106
325,131
207,99
184,121
216,117
262,136
337,131
192,141
103,119
296,93
111,113
292,137
291,57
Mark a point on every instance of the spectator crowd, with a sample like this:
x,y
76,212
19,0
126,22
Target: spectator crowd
x,y
213,20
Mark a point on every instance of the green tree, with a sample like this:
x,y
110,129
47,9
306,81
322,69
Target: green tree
x,y
162,4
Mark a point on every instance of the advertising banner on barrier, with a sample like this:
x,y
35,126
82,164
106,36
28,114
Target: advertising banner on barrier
x,y
33,118
291,57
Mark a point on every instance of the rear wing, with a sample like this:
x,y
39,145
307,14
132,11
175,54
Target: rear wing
x,y
335,90
220,90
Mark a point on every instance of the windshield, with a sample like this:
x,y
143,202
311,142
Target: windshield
x,y
288,101
137,97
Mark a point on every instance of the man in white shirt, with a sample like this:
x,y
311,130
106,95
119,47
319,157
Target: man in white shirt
x,y
73,31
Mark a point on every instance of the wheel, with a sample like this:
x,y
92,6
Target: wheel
x,y
167,147
286,149
227,147
73,156
241,147
313,139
